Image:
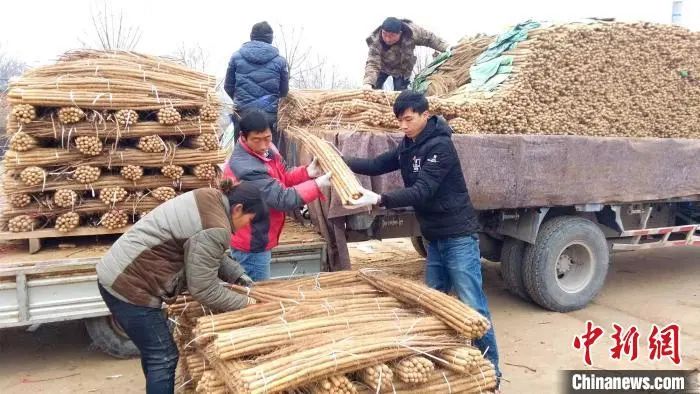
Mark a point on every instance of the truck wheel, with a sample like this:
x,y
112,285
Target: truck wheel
x,y
420,245
566,267
108,336
512,255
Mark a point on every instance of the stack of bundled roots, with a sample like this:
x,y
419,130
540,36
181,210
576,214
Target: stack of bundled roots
x,y
343,332
605,79
123,131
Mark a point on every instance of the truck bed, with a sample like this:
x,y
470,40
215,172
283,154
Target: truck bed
x,y
519,171
59,283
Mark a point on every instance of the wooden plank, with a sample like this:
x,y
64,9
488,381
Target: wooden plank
x,y
34,245
53,233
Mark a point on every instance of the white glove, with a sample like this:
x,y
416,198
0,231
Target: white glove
x,y
323,180
313,169
367,87
368,198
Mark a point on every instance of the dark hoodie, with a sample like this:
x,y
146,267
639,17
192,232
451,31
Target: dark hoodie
x,y
257,77
433,179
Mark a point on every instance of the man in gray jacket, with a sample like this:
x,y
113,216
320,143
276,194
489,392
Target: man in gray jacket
x,y
183,244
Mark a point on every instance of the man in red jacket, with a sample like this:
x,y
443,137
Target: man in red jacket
x,y
256,159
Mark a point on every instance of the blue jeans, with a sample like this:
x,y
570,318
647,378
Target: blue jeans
x,y
148,329
256,265
455,264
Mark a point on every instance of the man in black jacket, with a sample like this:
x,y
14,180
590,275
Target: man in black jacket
x,y
436,189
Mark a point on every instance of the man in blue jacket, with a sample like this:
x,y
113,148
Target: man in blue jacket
x,y
257,76
435,188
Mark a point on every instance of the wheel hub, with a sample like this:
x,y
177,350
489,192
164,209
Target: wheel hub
x,y
564,264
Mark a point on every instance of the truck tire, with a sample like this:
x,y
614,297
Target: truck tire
x,y
566,267
107,336
512,254
420,246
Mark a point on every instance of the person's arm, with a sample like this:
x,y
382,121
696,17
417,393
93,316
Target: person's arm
x,y
229,269
284,79
283,198
432,173
373,65
203,254
426,38
230,80
382,164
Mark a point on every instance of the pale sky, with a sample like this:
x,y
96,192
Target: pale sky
x,y
37,31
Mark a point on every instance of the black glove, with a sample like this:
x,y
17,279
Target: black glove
x,y
244,280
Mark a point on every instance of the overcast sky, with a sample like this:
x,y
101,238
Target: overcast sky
x,y
37,31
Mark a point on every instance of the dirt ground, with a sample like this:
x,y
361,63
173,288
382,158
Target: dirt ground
x,y
643,288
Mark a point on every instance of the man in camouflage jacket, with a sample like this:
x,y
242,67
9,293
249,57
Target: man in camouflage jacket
x,y
391,48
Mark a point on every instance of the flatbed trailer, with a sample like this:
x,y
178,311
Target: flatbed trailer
x,y
553,209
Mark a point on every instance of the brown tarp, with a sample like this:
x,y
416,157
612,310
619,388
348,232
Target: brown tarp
x,y
517,171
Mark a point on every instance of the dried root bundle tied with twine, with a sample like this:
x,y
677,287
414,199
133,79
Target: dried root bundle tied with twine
x,y
379,378
151,144
20,200
257,340
205,171
454,313
208,326
70,115
172,171
23,113
343,180
306,365
86,174
126,117
113,195
481,381
210,383
22,142
67,222
115,219
132,172
414,369
112,80
33,176
22,223
206,141
89,145
169,116
164,193
461,359
209,112
65,198
337,384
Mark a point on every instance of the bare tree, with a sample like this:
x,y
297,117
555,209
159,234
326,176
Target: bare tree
x,y
9,67
307,70
111,30
425,57
193,56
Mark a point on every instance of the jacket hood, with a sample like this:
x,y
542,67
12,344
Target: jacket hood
x,y
258,52
436,127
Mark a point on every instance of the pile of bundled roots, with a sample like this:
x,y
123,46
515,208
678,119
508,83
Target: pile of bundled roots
x,y
343,332
102,125
605,79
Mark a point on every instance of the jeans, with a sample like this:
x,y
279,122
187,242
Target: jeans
x,y
256,265
455,264
400,83
148,329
